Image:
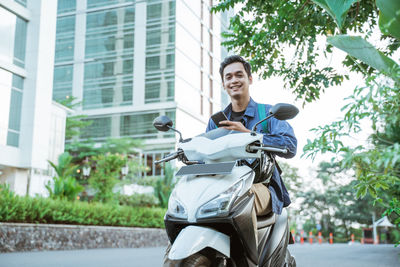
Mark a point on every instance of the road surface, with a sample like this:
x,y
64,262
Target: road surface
x,y
337,255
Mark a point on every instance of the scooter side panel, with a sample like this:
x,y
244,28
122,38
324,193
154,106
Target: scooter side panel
x,y
193,239
280,230
244,226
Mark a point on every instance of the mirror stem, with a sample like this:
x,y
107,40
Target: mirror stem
x,y
180,135
253,130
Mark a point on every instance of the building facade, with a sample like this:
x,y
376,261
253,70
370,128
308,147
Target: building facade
x,y
130,61
32,126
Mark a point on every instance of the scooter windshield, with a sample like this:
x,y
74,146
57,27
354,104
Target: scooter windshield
x,y
217,133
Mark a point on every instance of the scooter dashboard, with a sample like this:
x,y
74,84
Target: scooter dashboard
x,y
222,168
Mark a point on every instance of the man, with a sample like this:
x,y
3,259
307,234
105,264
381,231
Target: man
x,y
243,115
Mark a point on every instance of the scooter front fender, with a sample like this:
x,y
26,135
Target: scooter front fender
x,y
192,239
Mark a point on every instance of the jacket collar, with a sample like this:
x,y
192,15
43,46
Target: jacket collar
x,y
250,110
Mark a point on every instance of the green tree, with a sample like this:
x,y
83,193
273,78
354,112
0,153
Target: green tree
x,y
265,31
106,176
280,38
334,203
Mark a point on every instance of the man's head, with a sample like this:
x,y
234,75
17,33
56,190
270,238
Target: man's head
x,y
232,59
236,76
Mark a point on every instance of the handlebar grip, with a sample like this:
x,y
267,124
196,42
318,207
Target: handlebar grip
x,y
270,149
167,158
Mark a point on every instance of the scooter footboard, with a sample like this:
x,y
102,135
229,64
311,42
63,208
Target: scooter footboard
x,y
193,239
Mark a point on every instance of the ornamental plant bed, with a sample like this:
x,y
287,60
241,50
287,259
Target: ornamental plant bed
x,y
20,209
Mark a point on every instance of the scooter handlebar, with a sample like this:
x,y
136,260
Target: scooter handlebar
x,y
269,149
168,157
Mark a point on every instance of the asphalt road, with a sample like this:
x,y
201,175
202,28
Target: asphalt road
x,y
337,255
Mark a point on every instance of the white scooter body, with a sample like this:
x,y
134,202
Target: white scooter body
x,y
195,191
210,209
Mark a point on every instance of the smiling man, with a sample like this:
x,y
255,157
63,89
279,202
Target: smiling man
x,y
243,113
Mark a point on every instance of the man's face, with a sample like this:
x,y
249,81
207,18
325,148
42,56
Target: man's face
x,y
236,81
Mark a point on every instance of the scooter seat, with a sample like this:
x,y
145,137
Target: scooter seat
x,y
267,220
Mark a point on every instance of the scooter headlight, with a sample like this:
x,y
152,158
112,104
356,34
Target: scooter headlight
x,y
176,208
220,205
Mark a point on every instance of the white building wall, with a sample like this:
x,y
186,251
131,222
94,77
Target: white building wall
x,y
42,127
197,64
37,97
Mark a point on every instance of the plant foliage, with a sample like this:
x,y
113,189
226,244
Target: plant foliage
x,y
281,38
60,211
64,185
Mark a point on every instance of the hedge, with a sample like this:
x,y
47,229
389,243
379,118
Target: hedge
x,y
15,208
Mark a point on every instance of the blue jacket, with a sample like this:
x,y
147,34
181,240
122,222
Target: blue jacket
x,y
280,134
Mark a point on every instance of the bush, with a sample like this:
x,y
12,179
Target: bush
x,y
138,200
64,184
106,176
164,186
57,211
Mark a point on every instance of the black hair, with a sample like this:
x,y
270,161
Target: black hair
x,y
233,59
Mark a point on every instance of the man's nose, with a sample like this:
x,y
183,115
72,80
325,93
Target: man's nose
x,y
234,79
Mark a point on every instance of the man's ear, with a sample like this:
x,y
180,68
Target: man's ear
x,y
250,79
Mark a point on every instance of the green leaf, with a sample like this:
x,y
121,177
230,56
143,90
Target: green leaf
x,y
361,49
336,8
389,17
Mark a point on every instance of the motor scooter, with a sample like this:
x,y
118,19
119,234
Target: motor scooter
x,y
209,217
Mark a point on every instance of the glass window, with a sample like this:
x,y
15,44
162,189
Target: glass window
x,y
13,34
152,63
138,125
65,39
65,25
154,11
160,49
62,83
21,2
99,3
141,125
148,158
14,120
100,128
15,110
159,89
66,6
20,42
108,78
12,139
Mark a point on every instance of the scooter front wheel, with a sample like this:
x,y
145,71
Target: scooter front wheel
x,y
290,261
196,260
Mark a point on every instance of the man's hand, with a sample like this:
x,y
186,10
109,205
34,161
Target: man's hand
x,y
234,125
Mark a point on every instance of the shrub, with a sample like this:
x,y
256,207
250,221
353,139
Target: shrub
x,y
106,176
164,186
64,185
138,200
60,211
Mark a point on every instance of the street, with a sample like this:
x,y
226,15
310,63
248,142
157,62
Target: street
x,y
326,255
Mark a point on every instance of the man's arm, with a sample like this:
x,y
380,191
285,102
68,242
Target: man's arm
x,y
211,125
281,134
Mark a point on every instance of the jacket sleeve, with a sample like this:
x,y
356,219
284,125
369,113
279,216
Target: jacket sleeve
x,y
281,135
211,125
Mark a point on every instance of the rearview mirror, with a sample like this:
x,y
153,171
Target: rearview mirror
x,y
283,111
162,123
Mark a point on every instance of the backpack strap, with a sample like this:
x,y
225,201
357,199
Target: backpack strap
x,y
262,115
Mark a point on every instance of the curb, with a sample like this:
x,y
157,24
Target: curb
x,y
18,237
